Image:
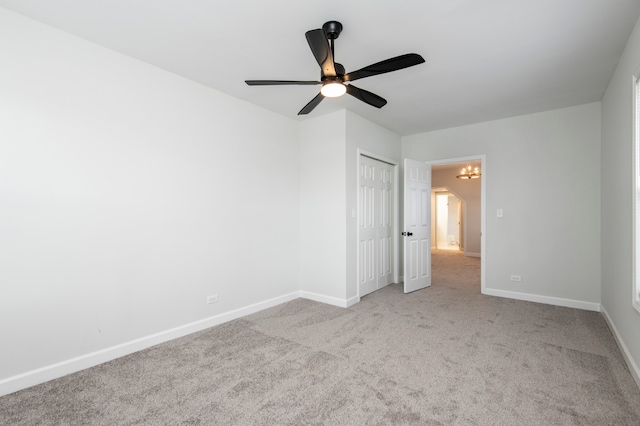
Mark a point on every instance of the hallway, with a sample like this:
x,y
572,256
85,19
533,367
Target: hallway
x,y
455,270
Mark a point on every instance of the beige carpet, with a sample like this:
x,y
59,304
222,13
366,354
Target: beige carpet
x,y
453,269
443,355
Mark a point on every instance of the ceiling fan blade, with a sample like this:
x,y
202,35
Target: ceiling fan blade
x,y
393,64
321,49
365,96
280,82
311,105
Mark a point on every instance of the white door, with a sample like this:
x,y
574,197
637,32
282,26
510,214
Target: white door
x,y
417,225
375,225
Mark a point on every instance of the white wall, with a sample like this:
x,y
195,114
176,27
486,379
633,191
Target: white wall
x,y
469,191
127,195
329,192
544,171
322,203
617,198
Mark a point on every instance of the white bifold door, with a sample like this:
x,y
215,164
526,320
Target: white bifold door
x,y
375,223
417,225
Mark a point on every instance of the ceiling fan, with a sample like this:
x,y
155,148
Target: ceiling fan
x,y
335,82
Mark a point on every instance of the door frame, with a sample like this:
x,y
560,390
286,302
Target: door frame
x,y
394,207
483,194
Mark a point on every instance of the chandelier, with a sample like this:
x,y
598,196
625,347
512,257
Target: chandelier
x,y
469,173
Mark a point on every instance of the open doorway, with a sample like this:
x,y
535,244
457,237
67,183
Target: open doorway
x,y
458,224
447,221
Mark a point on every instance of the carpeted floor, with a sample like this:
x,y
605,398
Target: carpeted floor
x,y
454,270
442,355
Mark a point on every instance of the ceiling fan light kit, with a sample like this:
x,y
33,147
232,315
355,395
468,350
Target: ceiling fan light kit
x,y
335,82
333,89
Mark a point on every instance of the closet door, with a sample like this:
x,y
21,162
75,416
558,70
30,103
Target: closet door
x,y
375,222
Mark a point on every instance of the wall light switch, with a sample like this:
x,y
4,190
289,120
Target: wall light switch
x,y
499,213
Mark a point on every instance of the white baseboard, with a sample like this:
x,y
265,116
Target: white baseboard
x,y
352,301
469,254
557,301
54,371
329,300
631,364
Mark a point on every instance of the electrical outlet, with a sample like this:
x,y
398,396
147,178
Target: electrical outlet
x,y
212,299
516,278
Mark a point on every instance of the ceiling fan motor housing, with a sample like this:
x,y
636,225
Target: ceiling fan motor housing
x,y
332,29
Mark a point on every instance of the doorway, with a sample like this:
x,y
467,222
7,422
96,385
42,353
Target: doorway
x,y
471,193
447,222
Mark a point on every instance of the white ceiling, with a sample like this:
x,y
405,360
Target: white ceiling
x,y
485,59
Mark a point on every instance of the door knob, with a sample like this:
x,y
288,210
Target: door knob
x,y
407,234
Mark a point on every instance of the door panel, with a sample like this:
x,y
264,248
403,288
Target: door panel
x,y
417,225
375,225
384,231
367,280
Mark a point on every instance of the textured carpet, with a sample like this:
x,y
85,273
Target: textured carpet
x,y
443,355
453,269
